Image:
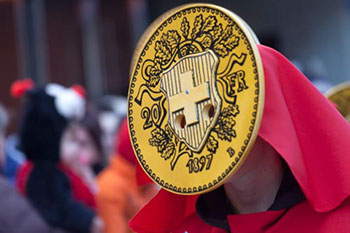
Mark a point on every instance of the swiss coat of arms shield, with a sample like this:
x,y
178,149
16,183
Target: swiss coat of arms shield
x,y
193,99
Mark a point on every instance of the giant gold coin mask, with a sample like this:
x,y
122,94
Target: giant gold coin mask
x,y
195,98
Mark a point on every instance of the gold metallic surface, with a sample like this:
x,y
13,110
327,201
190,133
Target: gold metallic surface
x,y
340,96
195,98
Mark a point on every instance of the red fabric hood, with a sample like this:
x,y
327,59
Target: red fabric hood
x,y
306,130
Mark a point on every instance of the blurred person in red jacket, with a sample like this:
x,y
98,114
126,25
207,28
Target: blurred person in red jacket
x,y
16,213
59,195
81,149
123,186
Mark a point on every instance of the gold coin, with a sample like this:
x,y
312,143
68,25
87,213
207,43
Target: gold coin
x,y
195,98
340,96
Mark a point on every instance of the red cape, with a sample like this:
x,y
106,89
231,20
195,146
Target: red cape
x,y
313,139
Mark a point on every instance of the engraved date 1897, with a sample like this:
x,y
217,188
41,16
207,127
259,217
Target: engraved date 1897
x,y
196,165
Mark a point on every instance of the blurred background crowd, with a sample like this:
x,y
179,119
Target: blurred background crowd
x,y
90,43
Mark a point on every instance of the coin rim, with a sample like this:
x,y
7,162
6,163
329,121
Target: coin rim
x,y
337,88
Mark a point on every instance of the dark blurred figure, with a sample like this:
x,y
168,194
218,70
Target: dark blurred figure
x,y
16,214
123,186
54,189
13,157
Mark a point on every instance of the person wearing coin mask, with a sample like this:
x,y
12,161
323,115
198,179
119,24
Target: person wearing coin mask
x,y
294,176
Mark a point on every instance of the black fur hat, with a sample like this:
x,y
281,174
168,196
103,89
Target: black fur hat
x,y
47,110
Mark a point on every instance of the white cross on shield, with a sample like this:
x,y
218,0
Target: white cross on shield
x,y
193,100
